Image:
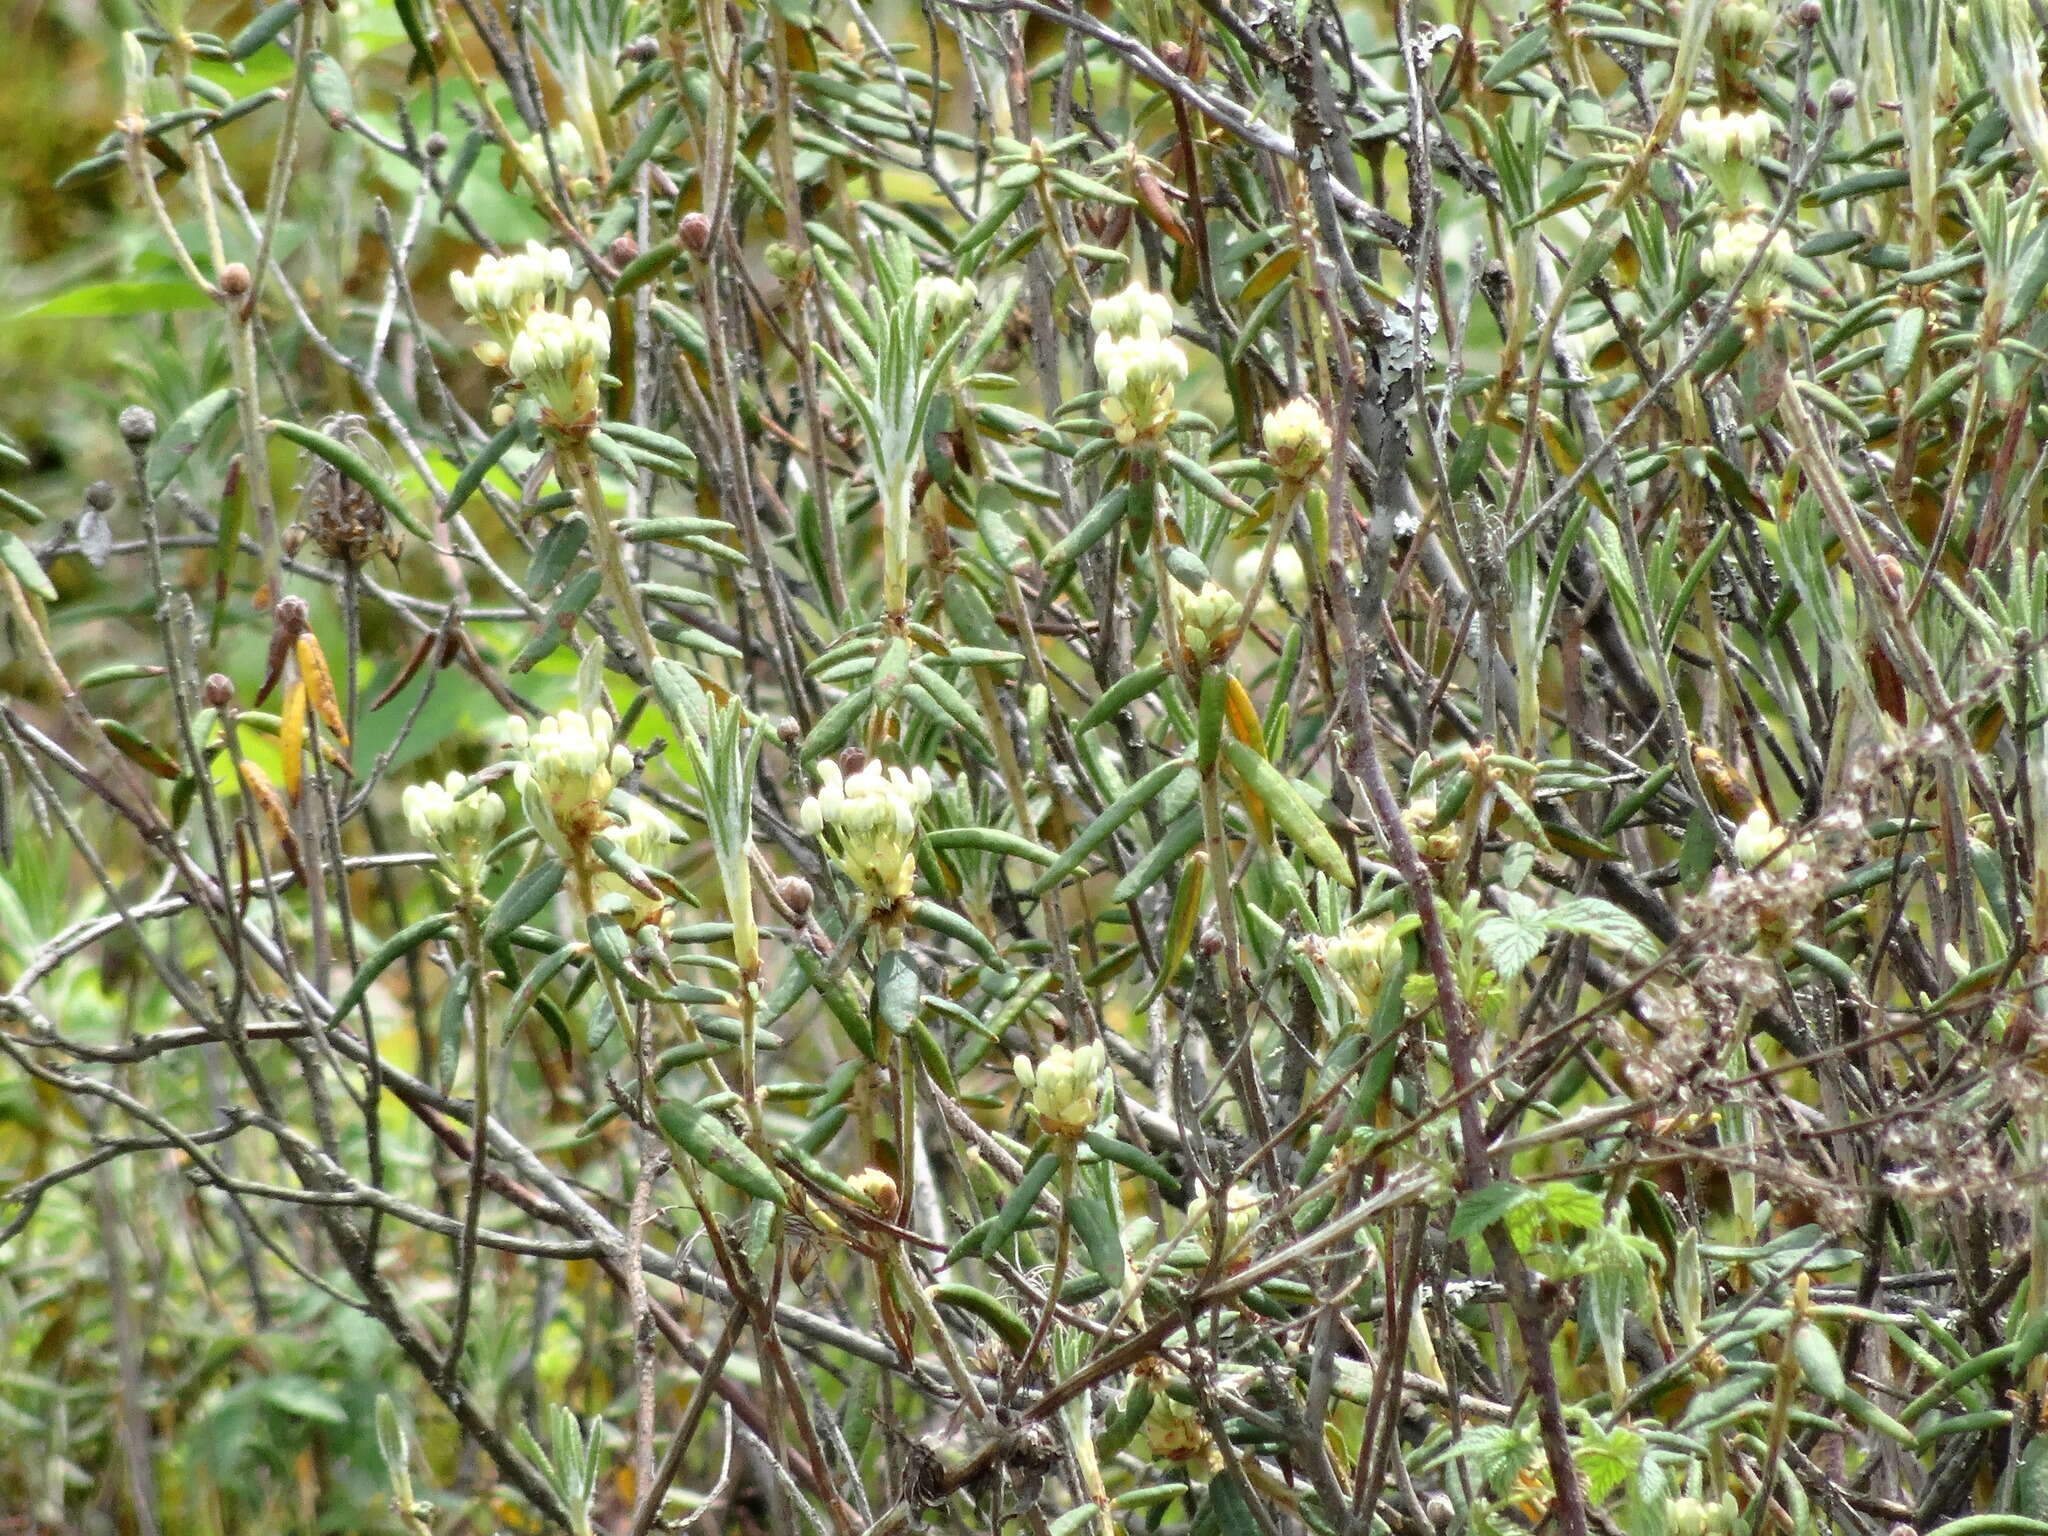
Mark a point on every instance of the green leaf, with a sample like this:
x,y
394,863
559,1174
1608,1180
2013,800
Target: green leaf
x,y
1289,811
1605,923
1515,937
1114,815
713,1146
105,300
1483,1207
898,991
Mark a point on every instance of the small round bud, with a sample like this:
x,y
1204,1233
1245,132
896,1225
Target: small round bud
x,y
217,692
1439,1510
852,760
642,50
878,1189
788,731
1210,943
694,230
138,425
99,495
795,893
1807,14
436,145
291,613
234,279
1893,573
622,250
1842,95
1174,57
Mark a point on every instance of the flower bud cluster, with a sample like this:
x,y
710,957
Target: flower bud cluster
x,y
1297,439
556,356
1065,1088
559,359
947,298
572,158
500,292
1359,959
1740,30
871,815
458,823
1139,361
1735,244
642,834
565,769
1208,619
1726,146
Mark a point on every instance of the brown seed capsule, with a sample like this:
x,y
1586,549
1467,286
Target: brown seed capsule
x,y
694,230
234,279
622,250
218,692
852,760
795,893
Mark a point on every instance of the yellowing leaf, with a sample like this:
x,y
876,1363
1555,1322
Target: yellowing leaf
x,y
320,684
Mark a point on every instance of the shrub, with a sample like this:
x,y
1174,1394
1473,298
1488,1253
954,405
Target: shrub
x,y
1255,769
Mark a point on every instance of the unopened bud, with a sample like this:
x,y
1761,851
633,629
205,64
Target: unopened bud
x,y
1808,13
436,145
622,250
138,425
217,692
1439,1510
788,731
1842,95
795,893
694,230
291,613
99,496
642,50
234,279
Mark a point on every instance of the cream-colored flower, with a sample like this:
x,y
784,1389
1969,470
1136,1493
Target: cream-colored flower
x,y
1726,146
1135,311
1139,373
1760,841
1065,1087
947,297
643,835
1298,440
1735,243
566,769
871,815
500,292
559,359
457,822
